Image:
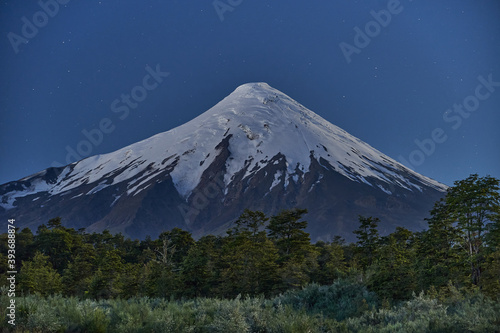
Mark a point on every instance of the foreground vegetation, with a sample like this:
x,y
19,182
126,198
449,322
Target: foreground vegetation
x,y
266,276
342,307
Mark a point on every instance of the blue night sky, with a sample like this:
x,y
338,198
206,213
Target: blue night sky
x,y
394,84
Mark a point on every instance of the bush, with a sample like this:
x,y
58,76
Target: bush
x,y
424,314
313,309
341,300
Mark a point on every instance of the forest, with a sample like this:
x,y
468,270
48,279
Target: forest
x,y
265,275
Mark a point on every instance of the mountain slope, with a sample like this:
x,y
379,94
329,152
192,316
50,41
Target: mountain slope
x,y
256,149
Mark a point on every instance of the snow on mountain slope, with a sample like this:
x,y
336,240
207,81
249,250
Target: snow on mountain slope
x,y
260,122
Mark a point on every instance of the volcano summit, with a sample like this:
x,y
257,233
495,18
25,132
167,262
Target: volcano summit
x,y
257,149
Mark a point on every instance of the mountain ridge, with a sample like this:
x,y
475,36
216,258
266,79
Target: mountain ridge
x,y
255,132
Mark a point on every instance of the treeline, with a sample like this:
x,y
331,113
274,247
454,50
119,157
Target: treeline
x,y
267,256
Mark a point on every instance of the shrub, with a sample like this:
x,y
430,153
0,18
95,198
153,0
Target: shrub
x,y
424,314
313,309
341,300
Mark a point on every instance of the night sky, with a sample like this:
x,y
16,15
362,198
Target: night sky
x,y
396,74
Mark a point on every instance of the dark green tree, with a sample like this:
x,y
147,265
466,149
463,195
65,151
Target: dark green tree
x,y
297,256
174,245
392,275
331,262
249,258
199,272
473,203
77,276
368,238
105,282
39,277
463,217
163,273
439,259
24,245
57,242
251,222
288,233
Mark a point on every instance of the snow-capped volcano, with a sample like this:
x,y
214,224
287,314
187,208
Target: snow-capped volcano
x,y
256,149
